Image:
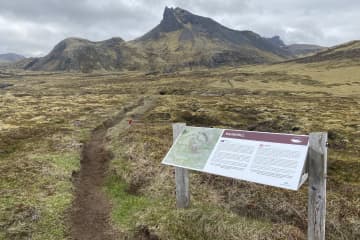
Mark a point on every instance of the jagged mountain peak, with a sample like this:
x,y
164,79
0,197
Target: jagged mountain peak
x,y
191,28
170,22
177,18
181,15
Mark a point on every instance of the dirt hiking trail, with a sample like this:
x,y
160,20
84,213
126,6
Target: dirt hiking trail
x,y
91,210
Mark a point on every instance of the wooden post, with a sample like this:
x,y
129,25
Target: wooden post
x,y
181,175
317,185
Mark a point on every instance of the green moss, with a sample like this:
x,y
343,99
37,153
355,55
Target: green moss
x,y
51,224
66,162
126,205
43,193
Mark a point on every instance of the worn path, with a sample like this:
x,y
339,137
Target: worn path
x,y
90,213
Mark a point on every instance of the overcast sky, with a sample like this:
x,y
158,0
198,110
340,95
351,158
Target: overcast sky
x,y
33,27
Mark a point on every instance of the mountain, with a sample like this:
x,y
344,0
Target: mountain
x,y
10,57
76,54
345,52
185,39
181,40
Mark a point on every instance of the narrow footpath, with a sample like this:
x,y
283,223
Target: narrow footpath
x,y
91,210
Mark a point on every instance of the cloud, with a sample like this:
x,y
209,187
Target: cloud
x,y
34,27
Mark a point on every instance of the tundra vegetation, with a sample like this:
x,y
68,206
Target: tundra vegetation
x,y
45,118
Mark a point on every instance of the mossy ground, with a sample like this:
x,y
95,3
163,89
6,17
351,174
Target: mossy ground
x,y
46,117
43,126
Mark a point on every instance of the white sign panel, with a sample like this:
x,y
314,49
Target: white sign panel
x,y
267,158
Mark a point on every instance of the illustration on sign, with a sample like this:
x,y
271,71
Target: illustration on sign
x,y
268,158
193,147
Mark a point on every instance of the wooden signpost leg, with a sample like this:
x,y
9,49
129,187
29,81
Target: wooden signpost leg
x,y
317,186
182,187
181,175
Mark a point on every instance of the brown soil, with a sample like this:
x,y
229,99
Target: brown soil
x,y
90,213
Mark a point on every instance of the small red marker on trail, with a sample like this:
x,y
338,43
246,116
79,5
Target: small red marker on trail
x,y
130,121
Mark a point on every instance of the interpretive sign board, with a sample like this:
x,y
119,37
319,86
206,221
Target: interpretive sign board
x,y
266,158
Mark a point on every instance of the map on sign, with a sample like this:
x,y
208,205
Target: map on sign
x,y
267,158
193,147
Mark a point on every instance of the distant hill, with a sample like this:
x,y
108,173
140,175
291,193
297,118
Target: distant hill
x,y
10,57
345,52
304,49
76,54
181,40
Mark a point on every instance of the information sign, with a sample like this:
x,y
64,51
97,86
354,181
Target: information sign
x,y
266,158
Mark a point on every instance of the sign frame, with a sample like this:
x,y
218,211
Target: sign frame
x,y
315,170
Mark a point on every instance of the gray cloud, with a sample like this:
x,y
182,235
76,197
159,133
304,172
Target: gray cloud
x,y
34,27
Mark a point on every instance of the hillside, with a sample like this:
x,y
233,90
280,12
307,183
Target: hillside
x,y
349,52
10,57
75,54
182,40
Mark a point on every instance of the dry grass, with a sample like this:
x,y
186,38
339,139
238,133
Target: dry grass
x,y
44,118
43,125
143,147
